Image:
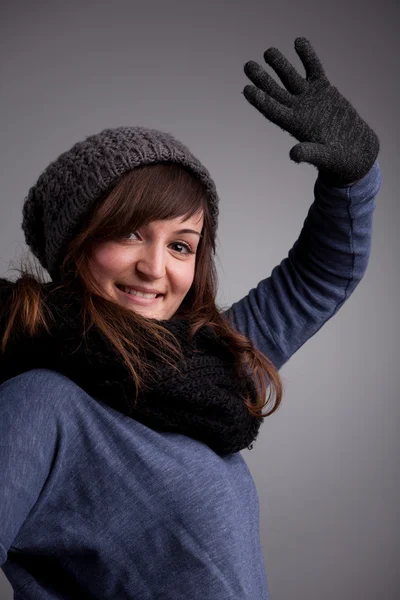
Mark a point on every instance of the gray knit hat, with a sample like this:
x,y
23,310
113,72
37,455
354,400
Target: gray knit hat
x,y
66,191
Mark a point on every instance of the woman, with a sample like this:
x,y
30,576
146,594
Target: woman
x,y
126,392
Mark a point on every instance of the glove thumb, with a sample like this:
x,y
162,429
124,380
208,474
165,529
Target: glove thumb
x,y
319,155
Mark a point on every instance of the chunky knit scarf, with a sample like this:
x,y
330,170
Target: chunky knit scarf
x,y
203,399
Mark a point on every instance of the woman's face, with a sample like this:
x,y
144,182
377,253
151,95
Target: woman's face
x,y
158,258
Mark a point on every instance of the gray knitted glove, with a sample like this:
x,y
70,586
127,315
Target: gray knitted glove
x,y
334,138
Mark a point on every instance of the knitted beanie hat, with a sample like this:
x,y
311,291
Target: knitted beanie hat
x,y
70,186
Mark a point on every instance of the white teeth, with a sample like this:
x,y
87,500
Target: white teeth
x,y
136,293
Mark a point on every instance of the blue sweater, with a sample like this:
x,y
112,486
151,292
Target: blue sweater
x,y
94,505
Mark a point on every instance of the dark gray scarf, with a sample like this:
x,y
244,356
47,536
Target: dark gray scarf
x,y
204,400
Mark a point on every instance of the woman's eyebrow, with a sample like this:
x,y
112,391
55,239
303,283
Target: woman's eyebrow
x,y
187,231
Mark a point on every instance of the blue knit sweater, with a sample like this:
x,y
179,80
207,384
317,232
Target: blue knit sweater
x,y
94,505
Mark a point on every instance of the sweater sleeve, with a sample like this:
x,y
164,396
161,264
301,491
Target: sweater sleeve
x,y
28,440
321,271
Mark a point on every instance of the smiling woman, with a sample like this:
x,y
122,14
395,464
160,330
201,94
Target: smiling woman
x,y
162,504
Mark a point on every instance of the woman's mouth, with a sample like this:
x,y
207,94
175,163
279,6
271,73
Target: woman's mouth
x,y
138,297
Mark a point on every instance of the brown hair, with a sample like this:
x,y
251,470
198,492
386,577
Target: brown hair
x,y
144,194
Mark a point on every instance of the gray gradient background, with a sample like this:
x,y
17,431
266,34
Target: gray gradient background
x,y
325,463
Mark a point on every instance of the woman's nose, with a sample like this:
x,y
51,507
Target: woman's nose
x,y
151,262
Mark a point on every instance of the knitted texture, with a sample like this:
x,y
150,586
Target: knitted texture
x,y
332,135
202,398
66,191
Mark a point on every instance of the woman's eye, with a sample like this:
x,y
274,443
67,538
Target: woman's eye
x,y
185,246
187,249
129,234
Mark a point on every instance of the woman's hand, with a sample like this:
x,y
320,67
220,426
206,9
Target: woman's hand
x,y
332,135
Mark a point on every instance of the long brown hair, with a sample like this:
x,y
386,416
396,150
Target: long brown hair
x,y
144,194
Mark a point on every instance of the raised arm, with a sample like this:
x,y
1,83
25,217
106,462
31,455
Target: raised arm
x,y
321,271
331,254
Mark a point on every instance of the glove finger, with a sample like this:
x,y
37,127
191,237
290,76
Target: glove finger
x,y
312,64
271,109
266,83
318,155
286,71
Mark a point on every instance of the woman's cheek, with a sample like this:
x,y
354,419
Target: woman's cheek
x,y
110,257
